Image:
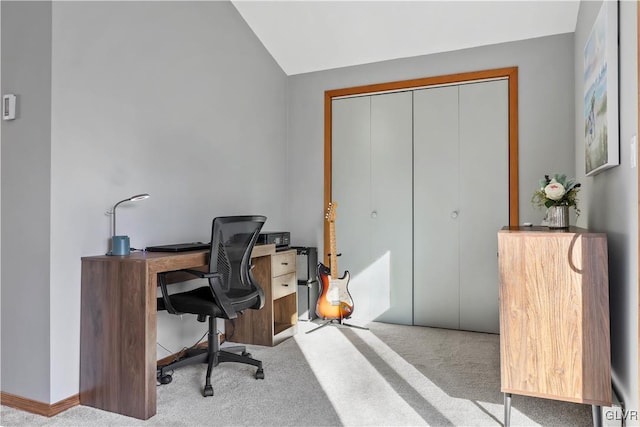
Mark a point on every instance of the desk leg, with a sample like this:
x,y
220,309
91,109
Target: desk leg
x,y
507,409
117,337
596,412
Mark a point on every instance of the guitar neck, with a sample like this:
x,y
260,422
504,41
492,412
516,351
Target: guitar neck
x,y
333,257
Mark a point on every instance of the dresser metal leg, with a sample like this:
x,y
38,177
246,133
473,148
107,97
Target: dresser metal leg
x,y
507,409
596,411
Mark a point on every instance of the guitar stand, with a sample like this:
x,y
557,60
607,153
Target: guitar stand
x,y
340,322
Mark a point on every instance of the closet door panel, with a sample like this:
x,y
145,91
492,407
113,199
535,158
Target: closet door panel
x,y
390,291
484,199
351,183
435,165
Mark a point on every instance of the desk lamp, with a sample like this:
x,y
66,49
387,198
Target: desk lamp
x,y
120,244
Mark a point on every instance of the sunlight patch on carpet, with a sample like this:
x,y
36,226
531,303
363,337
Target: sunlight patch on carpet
x,y
370,384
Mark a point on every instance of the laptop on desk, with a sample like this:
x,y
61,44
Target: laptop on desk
x,y
179,247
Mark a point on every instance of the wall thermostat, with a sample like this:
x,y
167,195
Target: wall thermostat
x,y
8,107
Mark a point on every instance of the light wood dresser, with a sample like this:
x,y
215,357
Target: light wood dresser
x,y
278,319
554,316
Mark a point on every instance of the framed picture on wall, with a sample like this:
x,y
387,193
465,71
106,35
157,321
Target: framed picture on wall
x,y
601,125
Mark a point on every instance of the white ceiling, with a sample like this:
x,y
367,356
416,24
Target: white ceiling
x,y
308,35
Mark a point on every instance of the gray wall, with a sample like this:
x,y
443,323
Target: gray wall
x,y
609,200
546,110
26,168
177,99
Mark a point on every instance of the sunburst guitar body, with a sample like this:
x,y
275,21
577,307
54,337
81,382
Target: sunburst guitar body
x,y
334,301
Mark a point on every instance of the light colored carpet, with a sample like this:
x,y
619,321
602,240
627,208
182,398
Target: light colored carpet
x,y
391,375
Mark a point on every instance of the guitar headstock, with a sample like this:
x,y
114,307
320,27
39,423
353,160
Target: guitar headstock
x,y
330,215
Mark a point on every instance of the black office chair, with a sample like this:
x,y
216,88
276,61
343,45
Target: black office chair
x,y
231,290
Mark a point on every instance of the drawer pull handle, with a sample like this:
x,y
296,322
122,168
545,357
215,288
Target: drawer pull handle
x,y
285,263
285,284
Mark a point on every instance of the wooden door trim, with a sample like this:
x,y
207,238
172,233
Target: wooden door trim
x,y
510,73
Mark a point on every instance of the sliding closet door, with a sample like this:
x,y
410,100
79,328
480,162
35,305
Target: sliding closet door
x,y
391,209
351,182
461,199
484,199
436,207
371,182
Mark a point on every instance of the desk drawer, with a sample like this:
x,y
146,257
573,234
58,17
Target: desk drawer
x,y
283,263
284,285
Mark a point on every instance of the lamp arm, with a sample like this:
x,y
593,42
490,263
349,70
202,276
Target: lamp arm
x,y
113,215
130,199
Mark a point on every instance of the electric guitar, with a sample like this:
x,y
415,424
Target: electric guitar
x,y
334,301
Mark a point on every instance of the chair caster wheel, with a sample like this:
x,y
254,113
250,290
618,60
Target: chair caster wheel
x,y
246,354
260,374
208,391
166,379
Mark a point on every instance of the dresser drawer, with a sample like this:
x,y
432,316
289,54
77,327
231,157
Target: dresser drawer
x,y
283,263
283,285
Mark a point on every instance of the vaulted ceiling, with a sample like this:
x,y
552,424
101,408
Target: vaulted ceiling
x,y
308,35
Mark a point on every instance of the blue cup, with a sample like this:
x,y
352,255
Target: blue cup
x,y
120,245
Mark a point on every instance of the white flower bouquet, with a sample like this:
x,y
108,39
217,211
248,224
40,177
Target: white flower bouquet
x,y
557,191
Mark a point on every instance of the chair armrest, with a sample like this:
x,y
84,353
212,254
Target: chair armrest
x,y
162,281
200,274
215,284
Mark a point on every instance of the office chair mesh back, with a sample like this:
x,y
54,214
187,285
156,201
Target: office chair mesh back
x,y
222,266
232,240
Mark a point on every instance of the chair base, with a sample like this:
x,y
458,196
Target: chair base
x,y
213,355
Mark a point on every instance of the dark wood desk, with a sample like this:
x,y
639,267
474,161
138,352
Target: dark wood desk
x,y
118,327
